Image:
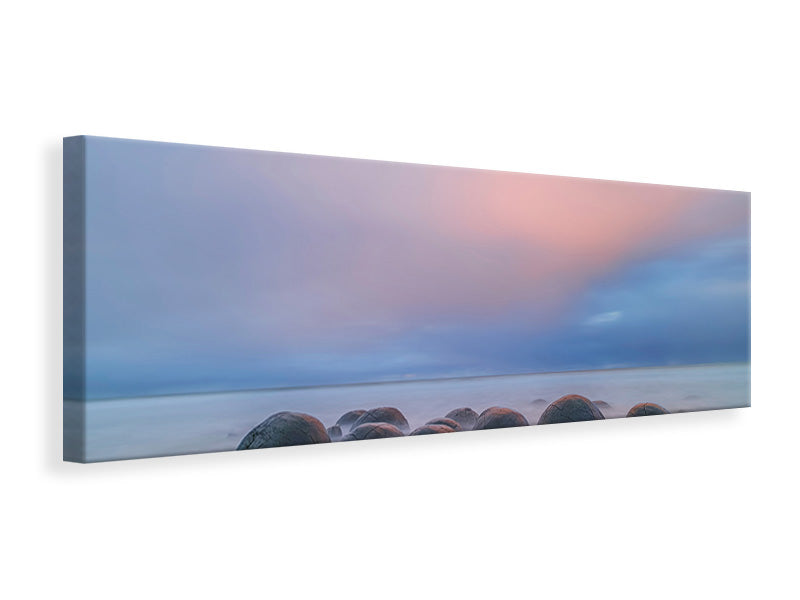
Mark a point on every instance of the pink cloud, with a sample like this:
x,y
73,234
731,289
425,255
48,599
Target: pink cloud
x,y
382,245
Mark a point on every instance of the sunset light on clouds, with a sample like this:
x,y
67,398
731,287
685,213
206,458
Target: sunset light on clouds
x,y
267,269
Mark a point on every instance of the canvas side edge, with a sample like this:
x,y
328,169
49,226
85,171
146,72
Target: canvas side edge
x,y
74,297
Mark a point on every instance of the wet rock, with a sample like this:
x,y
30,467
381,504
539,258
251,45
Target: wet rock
x,y
347,419
466,417
498,417
335,433
372,431
646,409
384,414
429,429
285,429
539,402
601,404
451,423
570,409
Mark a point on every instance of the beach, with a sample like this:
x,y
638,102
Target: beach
x,y
195,423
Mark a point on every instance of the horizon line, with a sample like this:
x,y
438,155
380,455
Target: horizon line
x,y
285,388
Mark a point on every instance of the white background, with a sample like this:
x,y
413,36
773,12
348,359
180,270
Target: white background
x,y
688,506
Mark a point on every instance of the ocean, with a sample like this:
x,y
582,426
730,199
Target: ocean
x,y
193,423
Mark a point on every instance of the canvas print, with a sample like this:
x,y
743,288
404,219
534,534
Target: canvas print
x,y
222,299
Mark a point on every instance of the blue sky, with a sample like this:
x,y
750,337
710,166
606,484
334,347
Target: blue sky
x,y
216,269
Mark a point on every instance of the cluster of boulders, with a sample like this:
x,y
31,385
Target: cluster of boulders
x,y
297,429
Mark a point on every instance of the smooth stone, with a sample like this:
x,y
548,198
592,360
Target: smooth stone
x,y
498,417
335,433
285,429
466,417
372,431
601,404
570,409
347,419
646,409
451,423
384,414
430,429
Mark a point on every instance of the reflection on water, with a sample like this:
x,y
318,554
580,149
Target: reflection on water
x,y
183,424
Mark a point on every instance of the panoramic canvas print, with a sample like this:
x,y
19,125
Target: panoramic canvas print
x,y
222,299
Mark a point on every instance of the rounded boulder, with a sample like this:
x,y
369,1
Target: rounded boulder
x,y
285,429
570,409
466,417
384,414
646,409
335,433
372,431
431,429
347,419
498,417
452,424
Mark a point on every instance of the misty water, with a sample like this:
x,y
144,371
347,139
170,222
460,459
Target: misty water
x,y
191,423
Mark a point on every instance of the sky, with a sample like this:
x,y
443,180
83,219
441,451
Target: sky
x,y
211,269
